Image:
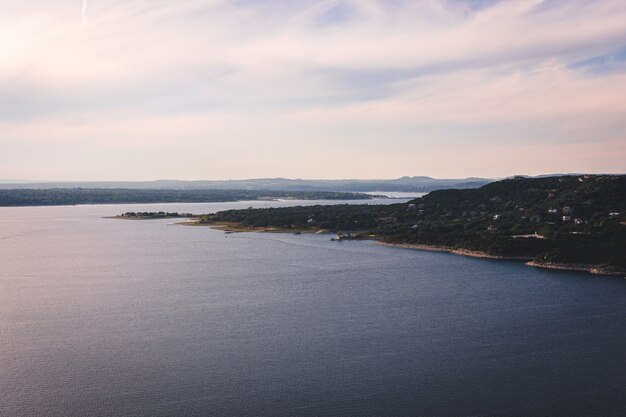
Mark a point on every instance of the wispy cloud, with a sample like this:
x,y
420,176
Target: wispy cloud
x,y
84,12
303,76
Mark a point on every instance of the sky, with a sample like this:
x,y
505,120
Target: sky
x,y
218,89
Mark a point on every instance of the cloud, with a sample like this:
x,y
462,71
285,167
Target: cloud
x,y
84,12
416,72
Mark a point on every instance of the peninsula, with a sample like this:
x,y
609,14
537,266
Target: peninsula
x,y
568,222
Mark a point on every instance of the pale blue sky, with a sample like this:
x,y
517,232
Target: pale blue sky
x,y
215,89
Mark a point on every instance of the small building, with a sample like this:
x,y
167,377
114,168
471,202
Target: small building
x,y
578,220
412,206
566,219
567,210
496,216
613,214
552,211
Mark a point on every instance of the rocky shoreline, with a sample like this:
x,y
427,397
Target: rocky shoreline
x,y
464,252
593,269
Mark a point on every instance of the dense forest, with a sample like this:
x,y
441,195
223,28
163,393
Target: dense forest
x,y
565,219
73,196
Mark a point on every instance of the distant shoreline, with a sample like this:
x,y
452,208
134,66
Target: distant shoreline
x,y
141,217
99,196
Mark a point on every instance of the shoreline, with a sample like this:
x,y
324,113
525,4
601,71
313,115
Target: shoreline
x,y
235,228
463,252
528,260
592,269
119,217
359,196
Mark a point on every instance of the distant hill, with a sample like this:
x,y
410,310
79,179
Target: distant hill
x,y
404,184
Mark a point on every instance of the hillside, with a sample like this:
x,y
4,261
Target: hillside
x,y
567,219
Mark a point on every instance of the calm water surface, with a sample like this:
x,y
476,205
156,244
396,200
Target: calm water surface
x,y
396,194
103,317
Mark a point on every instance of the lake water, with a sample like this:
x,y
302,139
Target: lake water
x,y
396,194
104,317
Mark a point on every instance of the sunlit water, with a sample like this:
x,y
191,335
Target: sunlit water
x,y
103,317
